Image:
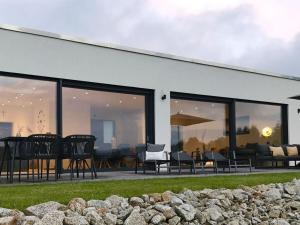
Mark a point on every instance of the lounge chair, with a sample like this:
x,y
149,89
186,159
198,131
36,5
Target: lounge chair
x,y
150,156
181,159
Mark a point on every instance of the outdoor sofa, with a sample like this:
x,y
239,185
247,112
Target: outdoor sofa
x,y
263,153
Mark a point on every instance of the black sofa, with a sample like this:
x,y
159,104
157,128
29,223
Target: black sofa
x,y
261,153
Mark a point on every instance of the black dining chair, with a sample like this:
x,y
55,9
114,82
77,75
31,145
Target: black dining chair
x,y
46,147
82,149
16,149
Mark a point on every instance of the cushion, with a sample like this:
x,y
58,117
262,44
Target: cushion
x,y
155,147
292,150
155,155
263,150
277,151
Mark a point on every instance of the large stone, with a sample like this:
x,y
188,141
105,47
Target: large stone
x,y
75,220
29,220
77,205
156,197
176,201
135,218
115,201
272,194
157,219
279,222
289,189
174,221
214,214
42,209
52,218
240,195
99,204
186,211
8,220
94,218
166,210
166,196
110,219
5,212
136,201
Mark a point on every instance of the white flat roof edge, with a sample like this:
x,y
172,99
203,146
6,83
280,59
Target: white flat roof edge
x,y
141,51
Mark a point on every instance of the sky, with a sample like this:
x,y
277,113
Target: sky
x,y
258,34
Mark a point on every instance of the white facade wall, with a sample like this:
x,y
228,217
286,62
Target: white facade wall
x,y
26,53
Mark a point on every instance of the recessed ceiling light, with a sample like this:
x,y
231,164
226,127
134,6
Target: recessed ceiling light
x,y
86,93
16,97
107,105
176,101
41,99
134,97
23,106
8,101
30,103
74,97
121,101
181,111
196,108
21,94
33,88
3,104
212,104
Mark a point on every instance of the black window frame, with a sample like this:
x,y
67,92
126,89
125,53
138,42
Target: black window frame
x,y
232,112
60,83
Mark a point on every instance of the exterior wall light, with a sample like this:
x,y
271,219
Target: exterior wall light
x,y
163,97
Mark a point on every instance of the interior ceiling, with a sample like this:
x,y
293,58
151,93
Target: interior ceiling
x,y
26,93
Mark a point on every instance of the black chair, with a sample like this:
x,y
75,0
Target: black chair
x,y
217,159
103,155
181,159
45,147
151,164
82,149
17,148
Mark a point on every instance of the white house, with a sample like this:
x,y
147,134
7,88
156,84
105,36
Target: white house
x,y
51,83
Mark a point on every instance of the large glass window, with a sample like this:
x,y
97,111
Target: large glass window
x,y
27,106
199,126
258,123
117,120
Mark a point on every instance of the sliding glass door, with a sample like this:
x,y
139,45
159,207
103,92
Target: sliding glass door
x,y
117,120
199,126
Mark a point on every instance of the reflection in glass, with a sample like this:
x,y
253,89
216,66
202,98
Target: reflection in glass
x,y
117,121
26,107
199,126
258,123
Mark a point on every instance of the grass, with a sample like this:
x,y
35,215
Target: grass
x,y
22,196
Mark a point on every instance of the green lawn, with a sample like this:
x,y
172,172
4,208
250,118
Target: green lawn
x,y
21,196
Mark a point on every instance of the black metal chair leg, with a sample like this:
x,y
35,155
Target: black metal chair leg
x,y
71,167
27,169
48,167
42,165
32,169
77,169
20,164
56,169
94,168
83,168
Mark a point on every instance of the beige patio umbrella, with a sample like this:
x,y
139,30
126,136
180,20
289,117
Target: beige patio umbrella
x,y
180,119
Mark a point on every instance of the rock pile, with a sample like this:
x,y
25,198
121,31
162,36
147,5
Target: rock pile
x,y
273,204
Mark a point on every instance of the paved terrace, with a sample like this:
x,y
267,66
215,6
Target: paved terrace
x,y
130,175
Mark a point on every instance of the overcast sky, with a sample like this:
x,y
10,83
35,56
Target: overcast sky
x,y
260,34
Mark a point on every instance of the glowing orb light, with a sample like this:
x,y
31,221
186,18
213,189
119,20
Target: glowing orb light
x,y
267,132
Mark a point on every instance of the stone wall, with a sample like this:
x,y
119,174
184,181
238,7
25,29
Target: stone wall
x,y
273,204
